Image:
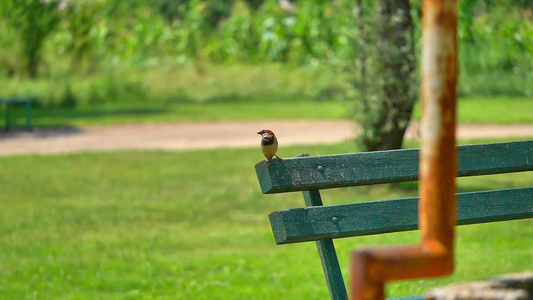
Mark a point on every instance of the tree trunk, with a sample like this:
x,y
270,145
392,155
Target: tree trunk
x,y
32,64
396,69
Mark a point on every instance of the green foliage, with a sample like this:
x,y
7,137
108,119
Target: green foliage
x,y
81,19
35,20
169,9
175,83
496,44
499,58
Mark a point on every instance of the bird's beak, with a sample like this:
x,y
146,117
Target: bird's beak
x,y
260,132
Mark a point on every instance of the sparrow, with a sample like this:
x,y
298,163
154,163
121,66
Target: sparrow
x,y
269,144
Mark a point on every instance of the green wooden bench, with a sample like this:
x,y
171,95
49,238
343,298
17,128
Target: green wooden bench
x,y
26,102
324,223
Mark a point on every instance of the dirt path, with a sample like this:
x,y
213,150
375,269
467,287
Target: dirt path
x,y
206,135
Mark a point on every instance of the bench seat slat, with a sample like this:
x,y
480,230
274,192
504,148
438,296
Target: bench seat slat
x,y
303,173
366,218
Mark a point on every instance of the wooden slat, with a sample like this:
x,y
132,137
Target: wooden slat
x,y
317,223
331,171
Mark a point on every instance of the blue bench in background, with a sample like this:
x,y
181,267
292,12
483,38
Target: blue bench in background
x,y
26,102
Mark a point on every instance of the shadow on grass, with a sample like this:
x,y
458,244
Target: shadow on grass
x,y
54,122
94,112
60,117
39,132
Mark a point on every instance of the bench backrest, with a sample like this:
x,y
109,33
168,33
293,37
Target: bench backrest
x,y
17,100
323,223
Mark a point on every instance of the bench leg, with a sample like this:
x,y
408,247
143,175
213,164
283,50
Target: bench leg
x,y
8,124
328,256
27,107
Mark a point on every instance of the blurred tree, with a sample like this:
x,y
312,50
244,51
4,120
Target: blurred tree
x,y
81,18
254,4
466,19
35,20
169,9
217,11
386,115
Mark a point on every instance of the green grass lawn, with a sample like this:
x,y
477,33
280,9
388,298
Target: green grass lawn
x,y
194,225
498,110
494,110
190,111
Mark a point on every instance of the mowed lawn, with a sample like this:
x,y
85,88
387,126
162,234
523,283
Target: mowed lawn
x,y
496,110
194,225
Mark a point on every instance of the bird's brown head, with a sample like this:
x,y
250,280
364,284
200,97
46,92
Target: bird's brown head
x,y
266,132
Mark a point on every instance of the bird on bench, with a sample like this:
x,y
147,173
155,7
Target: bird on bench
x,y
269,144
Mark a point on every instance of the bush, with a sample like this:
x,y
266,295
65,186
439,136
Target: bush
x,y
98,36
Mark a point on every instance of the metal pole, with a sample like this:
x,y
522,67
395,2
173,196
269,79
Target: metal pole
x,y
371,268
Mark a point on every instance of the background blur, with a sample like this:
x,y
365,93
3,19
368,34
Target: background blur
x,y
153,224
82,53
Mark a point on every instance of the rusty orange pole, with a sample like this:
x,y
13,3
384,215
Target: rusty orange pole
x,y
371,268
